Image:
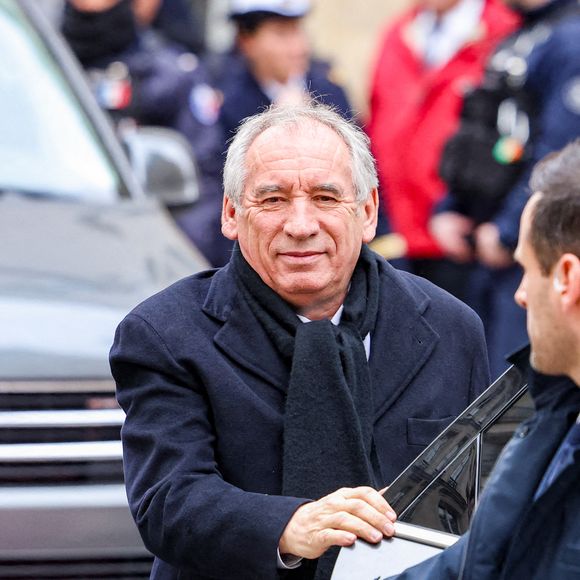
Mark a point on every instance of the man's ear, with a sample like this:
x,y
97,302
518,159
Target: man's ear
x,y
370,210
567,280
229,219
245,43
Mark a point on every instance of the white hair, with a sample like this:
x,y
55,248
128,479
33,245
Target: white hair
x,y
363,168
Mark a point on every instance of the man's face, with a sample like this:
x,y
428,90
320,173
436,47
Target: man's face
x,y
537,295
278,50
301,228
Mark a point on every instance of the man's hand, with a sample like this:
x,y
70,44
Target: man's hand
x,y
489,248
338,519
451,229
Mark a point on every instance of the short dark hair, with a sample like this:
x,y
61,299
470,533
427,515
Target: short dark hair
x,y
555,223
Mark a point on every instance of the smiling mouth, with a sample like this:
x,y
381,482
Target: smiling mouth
x,y
301,257
301,254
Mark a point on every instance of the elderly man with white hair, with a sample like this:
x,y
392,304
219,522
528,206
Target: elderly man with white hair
x,y
268,401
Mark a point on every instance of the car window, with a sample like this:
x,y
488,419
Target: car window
x,y
441,488
448,504
47,144
495,437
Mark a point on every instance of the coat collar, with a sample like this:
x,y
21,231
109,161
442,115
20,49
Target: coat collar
x,y
401,342
242,337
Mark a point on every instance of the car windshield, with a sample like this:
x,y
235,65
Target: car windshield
x,y
47,144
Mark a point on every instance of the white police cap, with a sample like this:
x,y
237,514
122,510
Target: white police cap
x,y
287,8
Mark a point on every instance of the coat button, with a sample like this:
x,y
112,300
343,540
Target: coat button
x,y
523,431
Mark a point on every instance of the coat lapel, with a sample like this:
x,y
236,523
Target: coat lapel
x,y
242,337
402,340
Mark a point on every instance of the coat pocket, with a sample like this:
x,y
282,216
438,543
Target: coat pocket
x,y
423,431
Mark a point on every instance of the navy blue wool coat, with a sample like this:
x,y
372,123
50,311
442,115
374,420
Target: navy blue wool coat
x,y
203,389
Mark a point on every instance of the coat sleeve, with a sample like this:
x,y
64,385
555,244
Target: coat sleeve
x,y
480,372
187,514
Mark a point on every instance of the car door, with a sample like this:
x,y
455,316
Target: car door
x,y
436,495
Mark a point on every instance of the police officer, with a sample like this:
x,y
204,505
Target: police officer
x,y
527,106
271,63
136,75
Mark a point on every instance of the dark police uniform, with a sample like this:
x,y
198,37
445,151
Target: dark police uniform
x,y
540,67
134,74
244,97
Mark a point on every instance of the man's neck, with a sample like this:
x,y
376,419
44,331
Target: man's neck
x,y
319,309
319,312
335,318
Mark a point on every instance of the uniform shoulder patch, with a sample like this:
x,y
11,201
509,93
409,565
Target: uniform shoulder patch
x,y
205,103
571,96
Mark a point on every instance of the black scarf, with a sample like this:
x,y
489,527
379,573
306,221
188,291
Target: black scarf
x,y
99,36
328,420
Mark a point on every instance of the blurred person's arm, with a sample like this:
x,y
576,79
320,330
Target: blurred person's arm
x,y
489,248
452,231
557,121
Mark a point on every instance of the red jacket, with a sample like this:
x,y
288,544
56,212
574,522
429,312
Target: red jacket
x,y
413,112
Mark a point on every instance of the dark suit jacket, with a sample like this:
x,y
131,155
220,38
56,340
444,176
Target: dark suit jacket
x,y
203,389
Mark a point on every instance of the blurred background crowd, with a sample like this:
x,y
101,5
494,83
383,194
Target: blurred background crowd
x,y
458,97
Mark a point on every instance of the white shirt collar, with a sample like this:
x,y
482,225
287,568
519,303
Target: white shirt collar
x,y
336,321
440,38
273,89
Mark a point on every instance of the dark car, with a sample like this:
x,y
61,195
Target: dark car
x,y
81,243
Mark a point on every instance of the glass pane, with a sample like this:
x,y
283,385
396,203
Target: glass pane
x,y
463,432
47,144
499,433
448,503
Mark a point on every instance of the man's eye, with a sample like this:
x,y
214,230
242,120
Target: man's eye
x,y
273,200
325,198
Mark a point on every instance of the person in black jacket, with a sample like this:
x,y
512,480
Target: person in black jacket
x,y
137,74
271,64
527,106
526,526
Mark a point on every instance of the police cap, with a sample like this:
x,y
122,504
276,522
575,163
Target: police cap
x,y
241,9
